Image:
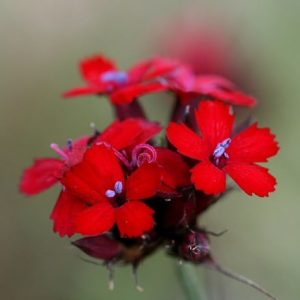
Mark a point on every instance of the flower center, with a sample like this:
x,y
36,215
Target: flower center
x,y
220,151
119,77
118,188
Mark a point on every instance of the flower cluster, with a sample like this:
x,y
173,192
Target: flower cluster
x,y
129,194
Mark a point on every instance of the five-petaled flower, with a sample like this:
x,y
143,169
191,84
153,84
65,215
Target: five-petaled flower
x,y
103,77
105,195
219,153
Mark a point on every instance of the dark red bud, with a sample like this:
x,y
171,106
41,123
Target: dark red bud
x,y
101,247
195,247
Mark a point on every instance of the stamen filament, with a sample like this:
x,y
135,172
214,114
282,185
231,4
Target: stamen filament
x,y
59,151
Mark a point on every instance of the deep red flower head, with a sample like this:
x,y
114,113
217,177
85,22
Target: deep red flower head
x,y
107,194
45,172
103,77
219,153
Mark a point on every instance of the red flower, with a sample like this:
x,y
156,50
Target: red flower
x,y
103,77
219,153
188,87
110,197
46,172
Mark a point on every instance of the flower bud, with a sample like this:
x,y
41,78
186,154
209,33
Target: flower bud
x,y
195,247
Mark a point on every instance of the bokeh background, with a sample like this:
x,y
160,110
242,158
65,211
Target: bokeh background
x,y
41,43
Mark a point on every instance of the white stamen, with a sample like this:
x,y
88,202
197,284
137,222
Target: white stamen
x,y
114,76
118,187
110,193
221,148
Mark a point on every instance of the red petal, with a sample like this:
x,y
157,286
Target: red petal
x,y
187,142
208,178
65,212
209,83
136,73
85,91
130,132
234,97
93,67
97,172
253,179
144,182
96,219
41,175
214,121
161,67
134,218
129,93
175,172
222,89
253,145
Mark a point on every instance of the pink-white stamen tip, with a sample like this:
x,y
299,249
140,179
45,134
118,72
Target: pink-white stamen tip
x,y
110,193
59,151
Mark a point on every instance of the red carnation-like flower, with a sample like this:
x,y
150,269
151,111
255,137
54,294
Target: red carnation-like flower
x,y
219,153
45,172
98,183
103,77
188,87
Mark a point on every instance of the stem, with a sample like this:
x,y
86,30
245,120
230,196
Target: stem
x,y
192,284
131,110
241,279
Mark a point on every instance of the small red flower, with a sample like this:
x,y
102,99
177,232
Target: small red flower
x,y
110,197
103,77
45,172
219,153
188,87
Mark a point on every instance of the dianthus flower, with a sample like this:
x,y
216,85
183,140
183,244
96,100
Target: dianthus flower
x,y
103,77
189,87
219,153
129,194
110,197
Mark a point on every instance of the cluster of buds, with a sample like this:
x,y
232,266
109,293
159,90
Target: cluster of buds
x,y
128,194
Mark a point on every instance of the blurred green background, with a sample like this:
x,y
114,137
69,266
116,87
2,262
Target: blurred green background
x,y
41,43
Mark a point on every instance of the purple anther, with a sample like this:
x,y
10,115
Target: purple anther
x,y
221,149
70,144
143,153
118,187
119,77
110,193
59,151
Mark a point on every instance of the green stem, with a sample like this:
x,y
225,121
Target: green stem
x,y
192,284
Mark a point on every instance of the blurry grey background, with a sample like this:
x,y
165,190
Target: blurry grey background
x,y
41,43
